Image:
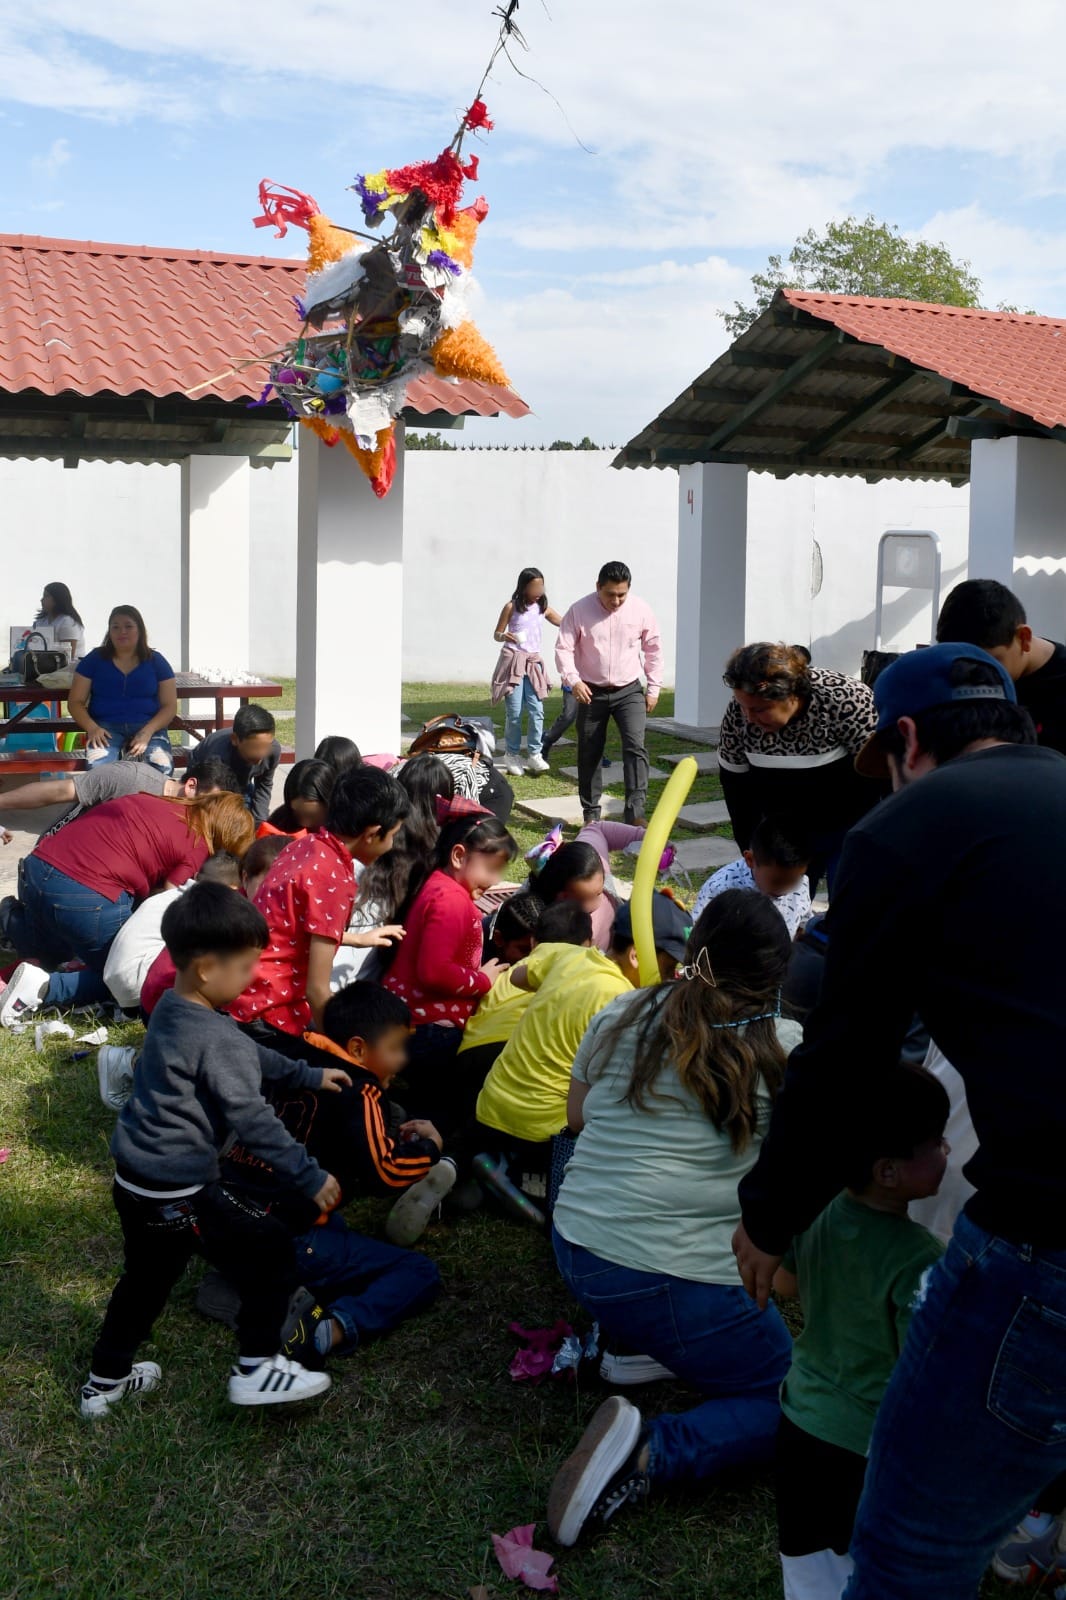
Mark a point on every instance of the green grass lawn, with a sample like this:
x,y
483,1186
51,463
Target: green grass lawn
x,y
386,1490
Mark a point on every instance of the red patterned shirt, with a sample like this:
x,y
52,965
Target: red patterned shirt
x,y
437,968
308,892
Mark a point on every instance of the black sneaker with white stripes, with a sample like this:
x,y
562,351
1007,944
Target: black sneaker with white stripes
x,y
276,1382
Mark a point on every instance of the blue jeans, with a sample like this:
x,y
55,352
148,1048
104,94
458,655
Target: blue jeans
x,y
368,1286
973,1425
159,752
524,697
713,1337
55,919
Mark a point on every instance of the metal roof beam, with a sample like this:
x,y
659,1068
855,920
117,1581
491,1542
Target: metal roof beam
x,y
676,456
712,395
934,435
776,361
773,392
73,449
860,412
969,428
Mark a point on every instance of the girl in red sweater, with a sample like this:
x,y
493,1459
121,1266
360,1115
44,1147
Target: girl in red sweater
x,y
438,968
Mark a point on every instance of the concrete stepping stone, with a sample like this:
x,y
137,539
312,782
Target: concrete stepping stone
x,y
705,814
683,730
706,760
614,772
565,808
706,854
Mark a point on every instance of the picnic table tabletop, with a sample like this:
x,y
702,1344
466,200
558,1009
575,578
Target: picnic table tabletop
x,y
191,686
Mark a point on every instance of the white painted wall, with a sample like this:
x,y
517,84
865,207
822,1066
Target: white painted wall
x,y
1018,524
473,518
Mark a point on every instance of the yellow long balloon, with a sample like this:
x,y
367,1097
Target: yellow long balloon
x,y
654,843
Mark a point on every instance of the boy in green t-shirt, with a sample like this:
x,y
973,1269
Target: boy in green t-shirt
x,y
859,1270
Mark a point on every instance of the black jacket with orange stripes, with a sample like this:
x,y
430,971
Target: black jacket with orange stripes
x,y
348,1135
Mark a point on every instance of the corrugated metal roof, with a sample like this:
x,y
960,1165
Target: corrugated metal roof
x,y
844,385
120,327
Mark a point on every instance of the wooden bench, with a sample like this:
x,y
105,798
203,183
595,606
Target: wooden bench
x,y
14,763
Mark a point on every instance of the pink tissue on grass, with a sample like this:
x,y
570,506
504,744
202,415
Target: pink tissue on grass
x,y
4,1155
517,1557
541,1344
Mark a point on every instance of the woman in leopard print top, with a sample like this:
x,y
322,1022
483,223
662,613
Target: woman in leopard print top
x,y
787,748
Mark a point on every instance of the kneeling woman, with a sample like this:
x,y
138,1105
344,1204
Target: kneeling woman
x,y
671,1091
79,887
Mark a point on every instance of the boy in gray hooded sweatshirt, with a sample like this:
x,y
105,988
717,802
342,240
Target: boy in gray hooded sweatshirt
x,y
199,1080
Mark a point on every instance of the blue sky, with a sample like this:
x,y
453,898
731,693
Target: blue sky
x,y
719,132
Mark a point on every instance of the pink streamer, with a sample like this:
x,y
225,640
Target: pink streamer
x,y
518,1559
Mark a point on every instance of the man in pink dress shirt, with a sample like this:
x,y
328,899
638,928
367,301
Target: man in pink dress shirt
x,y
601,641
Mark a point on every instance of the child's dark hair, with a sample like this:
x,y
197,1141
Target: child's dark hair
x,y
571,863
338,752
479,835
363,1011
982,612
563,923
251,720
527,576
391,882
517,918
214,774
210,920
892,1113
263,854
310,780
222,868
778,844
365,797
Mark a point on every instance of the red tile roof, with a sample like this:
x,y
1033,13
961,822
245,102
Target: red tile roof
x,y
131,319
1019,361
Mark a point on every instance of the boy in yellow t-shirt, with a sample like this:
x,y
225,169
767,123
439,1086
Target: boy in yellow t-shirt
x,y
523,1101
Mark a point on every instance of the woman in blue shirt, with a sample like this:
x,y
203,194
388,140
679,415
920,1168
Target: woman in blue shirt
x,y
124,695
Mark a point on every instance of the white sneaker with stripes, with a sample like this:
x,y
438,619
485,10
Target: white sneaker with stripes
x,y
98,1395
276,1382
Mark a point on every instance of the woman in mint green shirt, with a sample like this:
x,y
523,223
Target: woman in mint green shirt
x,y
671,1091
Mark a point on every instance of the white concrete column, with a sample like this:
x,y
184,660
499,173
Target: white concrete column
x,y
993,508
1018,524
711,585
349,601
215,527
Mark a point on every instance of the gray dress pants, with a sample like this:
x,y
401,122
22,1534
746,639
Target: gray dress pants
x,y
630,713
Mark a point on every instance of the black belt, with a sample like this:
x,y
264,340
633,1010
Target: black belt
x,y
613,688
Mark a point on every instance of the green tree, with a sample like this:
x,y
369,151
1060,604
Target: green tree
x,y
565,444
860,256
427,441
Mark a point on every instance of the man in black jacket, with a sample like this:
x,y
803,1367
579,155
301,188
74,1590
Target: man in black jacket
x,y
949,904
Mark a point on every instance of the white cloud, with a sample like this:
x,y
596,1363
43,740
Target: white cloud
x,y
49,165
1023,266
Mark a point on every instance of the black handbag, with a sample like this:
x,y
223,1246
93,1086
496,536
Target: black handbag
x,y
38,663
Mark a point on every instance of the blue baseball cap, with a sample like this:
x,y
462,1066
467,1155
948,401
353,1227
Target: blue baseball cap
x,y
921,680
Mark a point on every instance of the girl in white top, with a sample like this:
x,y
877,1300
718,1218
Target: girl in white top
x,y
671,1092
520,626
58,613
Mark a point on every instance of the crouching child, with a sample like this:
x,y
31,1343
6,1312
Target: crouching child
x,y
361,1287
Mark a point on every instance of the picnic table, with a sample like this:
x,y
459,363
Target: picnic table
x,y
20,698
